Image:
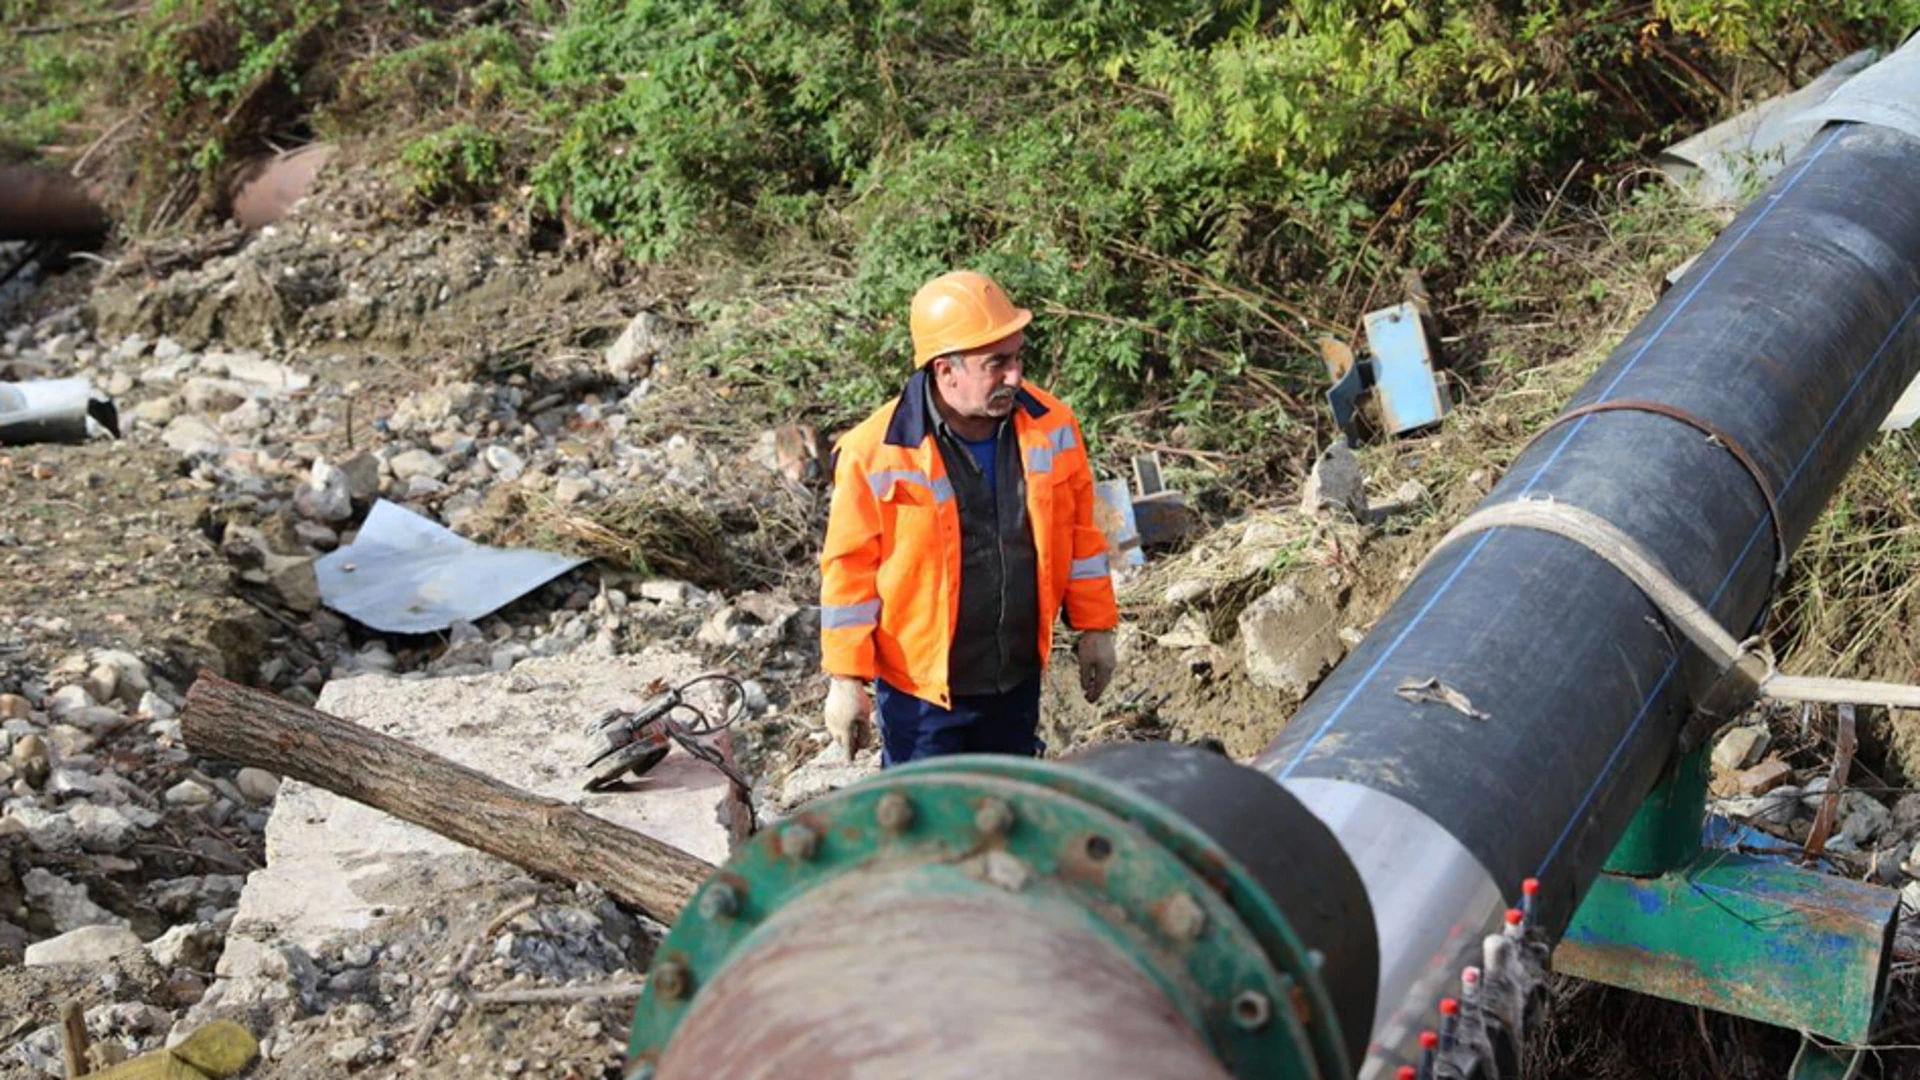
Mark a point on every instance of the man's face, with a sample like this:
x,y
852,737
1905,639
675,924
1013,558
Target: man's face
x,y
981,383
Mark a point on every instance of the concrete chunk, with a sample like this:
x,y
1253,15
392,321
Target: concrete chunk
x,y
333,863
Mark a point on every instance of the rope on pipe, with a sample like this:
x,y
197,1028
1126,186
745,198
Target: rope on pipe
x,y
1747,670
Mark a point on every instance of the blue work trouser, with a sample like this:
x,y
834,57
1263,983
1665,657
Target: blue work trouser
x,y
1005,723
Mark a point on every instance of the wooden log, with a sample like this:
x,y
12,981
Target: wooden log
x,y
226,720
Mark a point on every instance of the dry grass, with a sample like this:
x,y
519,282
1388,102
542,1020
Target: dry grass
x,y
717,542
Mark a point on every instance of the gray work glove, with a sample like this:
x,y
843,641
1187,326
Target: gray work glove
x,y
1097,661
848,707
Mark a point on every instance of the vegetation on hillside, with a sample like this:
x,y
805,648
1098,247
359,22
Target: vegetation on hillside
x,y
1188,193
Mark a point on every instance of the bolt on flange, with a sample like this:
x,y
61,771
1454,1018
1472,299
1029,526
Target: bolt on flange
x,y
894,811
994,818
799,842
722,901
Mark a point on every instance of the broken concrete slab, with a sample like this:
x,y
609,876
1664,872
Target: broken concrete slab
x,y
1292,637
336,867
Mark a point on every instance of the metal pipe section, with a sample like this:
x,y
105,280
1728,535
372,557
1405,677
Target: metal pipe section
x,y
53,411
1755,382
874,976
39,203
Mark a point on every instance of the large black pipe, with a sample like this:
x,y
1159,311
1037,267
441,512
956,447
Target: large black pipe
x,y
1790,337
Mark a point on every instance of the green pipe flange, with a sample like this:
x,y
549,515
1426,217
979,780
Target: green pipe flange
x,y
1184,912
1215,866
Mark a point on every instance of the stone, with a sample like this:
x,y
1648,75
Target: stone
x,y
1763,777
192,436
83,945
252,368
158,412
188,793
130,673
14,707
129,348
569,490
109,828
504,657
208,395
362,471
188,945
1863,817
432,408
825,772
647,338
505,464
69,782
292,580
317,535
411,463
102,683
66,903
1290,639
155,707
1906,814
30,759
1182,593
250,415
670,593
723,629
1740,747
258,785
70,699
326,497
13,944
349,1051
45,829
419,487
1335,484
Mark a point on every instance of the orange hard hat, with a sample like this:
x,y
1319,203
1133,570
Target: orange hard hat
x,y
961,310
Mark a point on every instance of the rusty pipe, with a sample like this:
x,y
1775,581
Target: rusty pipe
x,y
872,978
40,203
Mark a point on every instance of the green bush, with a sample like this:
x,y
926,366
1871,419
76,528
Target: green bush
x,y
1187,193
458,164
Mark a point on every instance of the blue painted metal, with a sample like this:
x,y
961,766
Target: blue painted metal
x,y
1742,935
1404,382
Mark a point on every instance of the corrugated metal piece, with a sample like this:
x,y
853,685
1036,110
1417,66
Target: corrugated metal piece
x,y
406,574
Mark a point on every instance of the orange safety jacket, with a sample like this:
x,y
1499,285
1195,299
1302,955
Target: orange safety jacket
x,y
890,568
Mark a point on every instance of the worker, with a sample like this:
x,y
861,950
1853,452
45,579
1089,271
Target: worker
x,y
961,527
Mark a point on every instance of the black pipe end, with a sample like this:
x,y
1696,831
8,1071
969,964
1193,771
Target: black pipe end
x,y
1287,850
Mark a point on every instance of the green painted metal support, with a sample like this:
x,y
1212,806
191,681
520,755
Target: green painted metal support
x,y
1735,933
1664,834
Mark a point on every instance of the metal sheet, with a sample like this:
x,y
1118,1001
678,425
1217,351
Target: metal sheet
x,y
1745,936
1885,95
1403,377
406,574
1721,165
1433,904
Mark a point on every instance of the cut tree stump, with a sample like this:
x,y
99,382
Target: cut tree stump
x,y
226,720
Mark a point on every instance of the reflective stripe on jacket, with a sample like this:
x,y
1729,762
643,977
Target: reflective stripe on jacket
x,y
890,568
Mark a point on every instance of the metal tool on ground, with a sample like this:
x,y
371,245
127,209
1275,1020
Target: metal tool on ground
x,y
629,742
